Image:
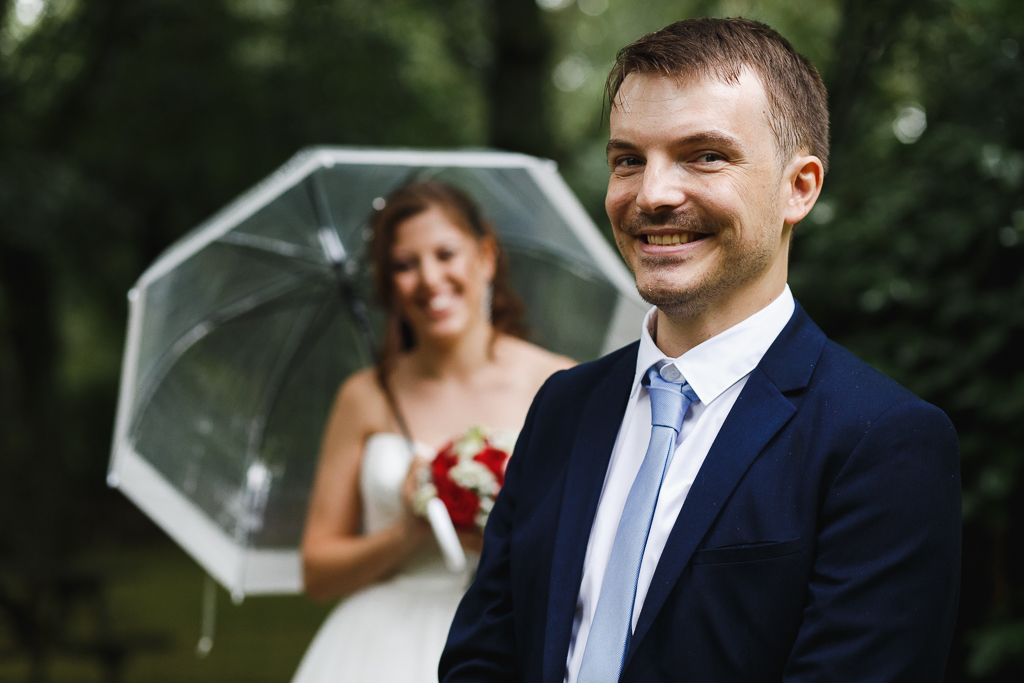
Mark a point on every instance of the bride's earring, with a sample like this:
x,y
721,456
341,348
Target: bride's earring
x,y
486,300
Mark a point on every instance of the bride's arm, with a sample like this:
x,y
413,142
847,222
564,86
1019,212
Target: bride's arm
x,y
336,559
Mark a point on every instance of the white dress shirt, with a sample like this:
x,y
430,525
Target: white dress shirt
x,y
717,371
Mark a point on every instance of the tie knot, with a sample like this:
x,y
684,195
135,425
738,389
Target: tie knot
x,y
669,400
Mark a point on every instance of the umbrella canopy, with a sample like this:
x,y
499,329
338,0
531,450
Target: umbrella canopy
x,y
241,332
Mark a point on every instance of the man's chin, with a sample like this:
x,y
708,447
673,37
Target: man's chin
x,y
674,301
663,297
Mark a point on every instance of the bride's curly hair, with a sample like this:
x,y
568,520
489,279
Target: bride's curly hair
x,y
507,311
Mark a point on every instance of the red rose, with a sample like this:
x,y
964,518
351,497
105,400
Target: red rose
x,y
493,459
443,461
462,504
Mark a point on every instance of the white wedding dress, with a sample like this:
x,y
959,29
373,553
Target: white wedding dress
x,y
394,630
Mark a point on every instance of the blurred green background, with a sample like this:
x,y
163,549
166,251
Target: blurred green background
x,y
123,123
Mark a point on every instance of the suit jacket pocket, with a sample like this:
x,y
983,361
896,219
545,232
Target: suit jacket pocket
x,y
748,553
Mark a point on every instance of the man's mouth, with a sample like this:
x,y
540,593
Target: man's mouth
x,y
673,238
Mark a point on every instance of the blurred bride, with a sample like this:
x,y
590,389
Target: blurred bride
x,y
452,359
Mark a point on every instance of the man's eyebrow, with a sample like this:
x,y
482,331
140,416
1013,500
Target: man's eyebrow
x,y
705,138
616,146
711,139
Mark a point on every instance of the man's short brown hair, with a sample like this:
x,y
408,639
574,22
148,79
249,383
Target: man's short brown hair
x,y
720,48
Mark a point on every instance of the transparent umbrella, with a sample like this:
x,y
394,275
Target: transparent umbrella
x,y
241,332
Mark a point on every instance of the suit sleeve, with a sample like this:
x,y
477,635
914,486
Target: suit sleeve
x,y
482,643
882,595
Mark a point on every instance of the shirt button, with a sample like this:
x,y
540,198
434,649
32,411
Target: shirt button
x,y
670,373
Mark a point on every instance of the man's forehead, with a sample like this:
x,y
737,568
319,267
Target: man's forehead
x,y
654,110
652,106
637,85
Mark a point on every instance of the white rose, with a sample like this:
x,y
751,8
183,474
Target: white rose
x,y
471,475
470,444
486,505
504,440
423,495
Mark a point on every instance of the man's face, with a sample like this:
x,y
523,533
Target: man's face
x,y
696,194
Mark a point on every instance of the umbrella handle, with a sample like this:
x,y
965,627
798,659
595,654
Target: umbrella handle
x,y
447,538
205,643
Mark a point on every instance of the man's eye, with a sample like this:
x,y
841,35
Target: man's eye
x,y
710,158
401,266
446,255
627,162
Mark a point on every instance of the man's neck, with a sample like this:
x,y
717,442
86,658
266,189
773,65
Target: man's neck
x,y
675,335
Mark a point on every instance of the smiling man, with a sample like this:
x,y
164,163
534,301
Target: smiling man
x,y
734,497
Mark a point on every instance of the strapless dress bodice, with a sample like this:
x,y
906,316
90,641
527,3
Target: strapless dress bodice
x,y
386,460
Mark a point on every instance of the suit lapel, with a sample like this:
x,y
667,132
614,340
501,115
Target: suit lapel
x,y
588,463
759,413
757,416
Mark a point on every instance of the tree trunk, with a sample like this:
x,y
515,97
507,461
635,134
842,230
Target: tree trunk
x,y
518,79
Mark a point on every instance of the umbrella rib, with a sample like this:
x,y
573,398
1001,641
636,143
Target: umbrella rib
x,y
349,295
269,245
255,499
311,327
259,302
357,307
300,339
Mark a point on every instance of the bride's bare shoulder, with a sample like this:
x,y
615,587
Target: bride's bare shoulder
x,y
361,382
531,359
361,397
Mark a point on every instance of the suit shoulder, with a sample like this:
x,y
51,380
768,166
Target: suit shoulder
x,y
585,376
843,377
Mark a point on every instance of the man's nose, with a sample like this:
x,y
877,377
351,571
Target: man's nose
x,y
661,188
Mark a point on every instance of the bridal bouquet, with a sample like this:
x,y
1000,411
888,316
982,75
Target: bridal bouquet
x,y
466,476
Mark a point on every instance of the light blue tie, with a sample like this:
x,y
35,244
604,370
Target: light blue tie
x,y
611,627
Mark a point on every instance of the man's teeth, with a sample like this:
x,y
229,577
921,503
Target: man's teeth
x,y
677,238
439,303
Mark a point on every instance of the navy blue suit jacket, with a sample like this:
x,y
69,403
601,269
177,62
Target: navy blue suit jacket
x,y
819,542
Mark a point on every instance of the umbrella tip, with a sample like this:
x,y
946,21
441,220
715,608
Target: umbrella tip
x,y
204,646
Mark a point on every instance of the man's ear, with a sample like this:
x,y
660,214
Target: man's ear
x,y
801,186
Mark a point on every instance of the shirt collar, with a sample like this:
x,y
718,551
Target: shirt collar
x,y
716,364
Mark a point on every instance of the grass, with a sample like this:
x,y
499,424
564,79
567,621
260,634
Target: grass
x,y
155,596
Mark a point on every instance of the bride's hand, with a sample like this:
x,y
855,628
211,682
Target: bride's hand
x,y
472,541
415,526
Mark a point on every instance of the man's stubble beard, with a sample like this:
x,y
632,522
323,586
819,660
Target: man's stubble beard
x,y
739,266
